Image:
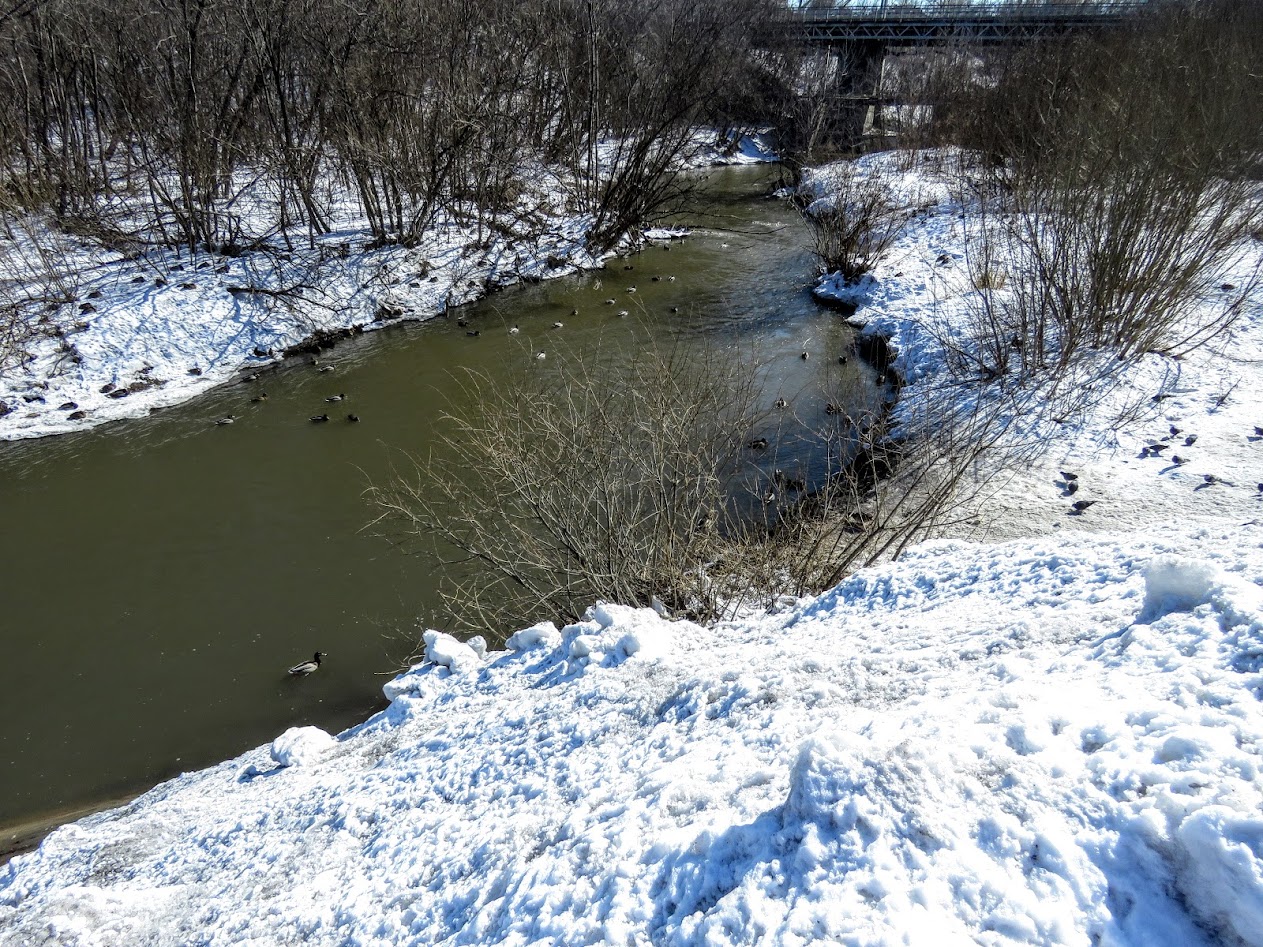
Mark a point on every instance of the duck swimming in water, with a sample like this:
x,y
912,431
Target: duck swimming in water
x,y
303,668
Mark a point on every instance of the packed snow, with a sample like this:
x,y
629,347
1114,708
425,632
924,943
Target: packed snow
x,y
1054,741
1047,732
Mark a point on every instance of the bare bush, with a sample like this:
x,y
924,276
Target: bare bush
x,y
577,480
1114,198
855,224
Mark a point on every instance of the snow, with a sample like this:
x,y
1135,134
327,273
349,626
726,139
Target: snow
x,y
1049,731
980,743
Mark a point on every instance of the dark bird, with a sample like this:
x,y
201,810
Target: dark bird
x,y
1080,505
759,443
317,418
1175,431
1068,476
1072,488
195,370
1178,460
226,419
1156,448
474,333
462,323
841,359
1210,478
353,418
303,668
1190,440
1258,431
786,482
333,398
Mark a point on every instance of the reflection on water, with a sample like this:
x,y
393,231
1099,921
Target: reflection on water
x,y
161,575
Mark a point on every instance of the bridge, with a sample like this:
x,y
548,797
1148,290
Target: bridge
x,y
860,33
983,22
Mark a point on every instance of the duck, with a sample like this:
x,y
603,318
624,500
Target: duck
x,y
333,398
353,418
609,302
805,355
514,331
317,418
541,356
303,668
226,419
622,313
574,312
631,289
558,325
759,443
260,397
780,403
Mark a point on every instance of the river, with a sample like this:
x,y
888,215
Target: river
x,y
161,574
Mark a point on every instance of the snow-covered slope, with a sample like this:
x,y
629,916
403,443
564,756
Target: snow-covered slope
x,y
1040,742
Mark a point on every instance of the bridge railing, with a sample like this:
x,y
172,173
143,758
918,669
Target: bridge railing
x,y
844,12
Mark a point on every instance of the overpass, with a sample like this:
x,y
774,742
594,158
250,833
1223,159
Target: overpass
x,y
860,33
907,24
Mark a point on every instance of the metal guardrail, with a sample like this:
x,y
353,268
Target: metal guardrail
x,y
982,22
883,10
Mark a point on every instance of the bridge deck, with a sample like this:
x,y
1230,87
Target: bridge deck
x,y
980,22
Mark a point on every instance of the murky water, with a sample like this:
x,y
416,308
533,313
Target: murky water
x,y
159,576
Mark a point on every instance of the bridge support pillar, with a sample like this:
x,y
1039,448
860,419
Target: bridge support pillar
x,y
859,64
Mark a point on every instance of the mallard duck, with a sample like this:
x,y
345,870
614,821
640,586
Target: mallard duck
x,y
304,668
514,331
558,325
333,398
226,419
317,418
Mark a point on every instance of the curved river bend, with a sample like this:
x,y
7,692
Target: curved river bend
x,y
160,575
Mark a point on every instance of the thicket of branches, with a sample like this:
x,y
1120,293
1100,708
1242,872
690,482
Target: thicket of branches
x,y
1120,182
168,117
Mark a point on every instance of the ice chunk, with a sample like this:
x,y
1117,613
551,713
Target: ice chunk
x,y
445,651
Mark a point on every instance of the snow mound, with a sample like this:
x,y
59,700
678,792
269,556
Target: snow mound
x,y
445,651
300,745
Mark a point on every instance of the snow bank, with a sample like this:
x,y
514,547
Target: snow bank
x,y
141,334
1201,408
1056,741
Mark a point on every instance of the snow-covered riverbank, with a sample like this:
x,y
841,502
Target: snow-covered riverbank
x,y
1045,742
1050,737
142,333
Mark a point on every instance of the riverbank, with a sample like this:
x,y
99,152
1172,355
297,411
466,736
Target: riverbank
x,y
1054,738
140,333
